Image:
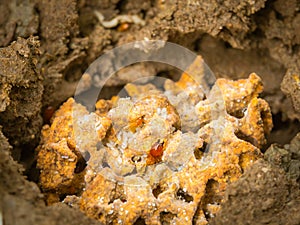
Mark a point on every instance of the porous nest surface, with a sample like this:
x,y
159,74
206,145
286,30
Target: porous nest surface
x,y
158,156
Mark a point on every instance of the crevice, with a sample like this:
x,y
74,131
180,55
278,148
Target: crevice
x,y
118,193
166,218
238,113
197,213
140,221
283,130
121,5
80,165
198,152
211,199
246,138
157,191
184,196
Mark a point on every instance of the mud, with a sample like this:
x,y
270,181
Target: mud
x,y
46,47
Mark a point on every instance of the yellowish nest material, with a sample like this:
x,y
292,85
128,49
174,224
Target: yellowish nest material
x,y
157,156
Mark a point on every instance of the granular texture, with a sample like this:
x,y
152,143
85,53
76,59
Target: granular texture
x,y
159,155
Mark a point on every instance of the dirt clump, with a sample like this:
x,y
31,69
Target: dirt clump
x,y
286,157
21,93
266,186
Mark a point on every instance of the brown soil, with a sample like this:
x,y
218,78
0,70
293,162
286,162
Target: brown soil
x,y
47,45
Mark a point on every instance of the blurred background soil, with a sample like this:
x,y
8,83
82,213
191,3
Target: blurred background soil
x,y
47,45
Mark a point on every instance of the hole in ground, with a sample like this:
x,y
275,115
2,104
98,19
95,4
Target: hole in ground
x,y
157,191
140,221
238,113
198,152
80,165
166,217
184,196
244,137
283,130
212,197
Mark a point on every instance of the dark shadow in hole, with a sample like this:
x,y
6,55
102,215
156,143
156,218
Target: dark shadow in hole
x,y
198,152
166,217
62,197
105,164
283,131
227,45
107,92
157,191
212,195
74,71
244,137
184,196
197,213
172,73
136,159
80,165
140,221
121,5
278,16
33,173
238,113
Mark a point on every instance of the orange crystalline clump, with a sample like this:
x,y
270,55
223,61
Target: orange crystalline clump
x,y
161,156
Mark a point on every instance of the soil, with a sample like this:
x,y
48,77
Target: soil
x,y
47,45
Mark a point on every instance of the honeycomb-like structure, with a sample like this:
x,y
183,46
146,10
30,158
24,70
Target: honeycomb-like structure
x,y
158,156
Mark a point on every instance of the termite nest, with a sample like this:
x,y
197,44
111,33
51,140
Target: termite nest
x,y
157,156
